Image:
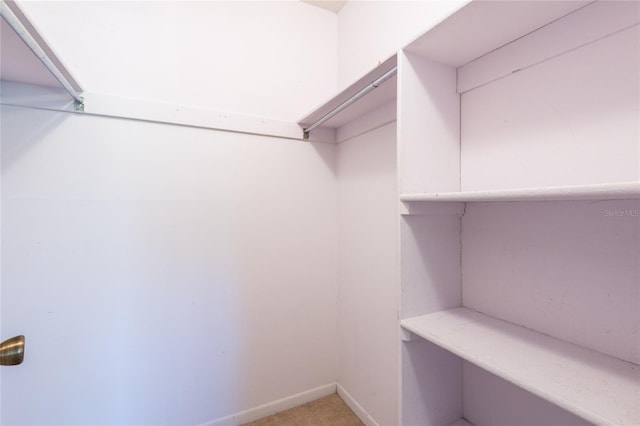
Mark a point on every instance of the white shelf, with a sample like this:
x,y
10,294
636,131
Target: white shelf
x,y
599,388
479,27
19,64
384,94
618,191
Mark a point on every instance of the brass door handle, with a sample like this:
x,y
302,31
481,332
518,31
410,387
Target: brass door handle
x,y
12,351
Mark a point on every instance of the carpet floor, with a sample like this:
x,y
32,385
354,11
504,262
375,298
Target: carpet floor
x,y
328,411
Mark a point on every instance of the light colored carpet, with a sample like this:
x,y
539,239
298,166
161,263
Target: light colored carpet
x,y
328,411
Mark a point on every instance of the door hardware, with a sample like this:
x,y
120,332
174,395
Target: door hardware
x,y
12,351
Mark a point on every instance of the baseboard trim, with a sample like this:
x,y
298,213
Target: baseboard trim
x,y
274,407
355,407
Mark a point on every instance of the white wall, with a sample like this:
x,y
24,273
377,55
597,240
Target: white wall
x,y
581,288
194,272
162,274
274,59
367,270
371,31
590,102
166,274
483,393
583,112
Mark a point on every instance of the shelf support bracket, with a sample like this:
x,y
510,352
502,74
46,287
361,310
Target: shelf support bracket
x,y
78,106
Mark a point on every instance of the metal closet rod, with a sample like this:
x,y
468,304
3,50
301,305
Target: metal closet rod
x,y
24,34
386,76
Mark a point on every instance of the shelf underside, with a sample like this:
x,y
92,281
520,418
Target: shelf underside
x,y
19,64
480,27
618,191
597,387
382,95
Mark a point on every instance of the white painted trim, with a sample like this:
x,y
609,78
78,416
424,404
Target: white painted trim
x,y
31,96
274,407
113,106
355,407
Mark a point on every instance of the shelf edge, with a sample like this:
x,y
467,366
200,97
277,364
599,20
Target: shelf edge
x,y
617,191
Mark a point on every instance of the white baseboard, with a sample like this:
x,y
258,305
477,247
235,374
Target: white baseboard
x,y
273,407
356,408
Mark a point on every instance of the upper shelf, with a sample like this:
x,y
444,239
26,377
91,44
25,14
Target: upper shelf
x,y
383,94
483,26
594,386
18,62
617,191
476,29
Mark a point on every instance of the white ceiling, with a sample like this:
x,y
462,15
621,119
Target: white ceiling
x,y
331,5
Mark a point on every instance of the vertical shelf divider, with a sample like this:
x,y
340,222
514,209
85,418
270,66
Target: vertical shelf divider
x,y
429,159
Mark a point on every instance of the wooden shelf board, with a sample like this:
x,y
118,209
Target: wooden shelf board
x,y
480,27
618,191
19,64
380,96
597,387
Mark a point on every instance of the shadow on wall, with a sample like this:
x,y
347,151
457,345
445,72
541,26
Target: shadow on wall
x,y
327,153
20,133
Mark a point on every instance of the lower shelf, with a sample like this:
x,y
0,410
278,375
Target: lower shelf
x,y
597,387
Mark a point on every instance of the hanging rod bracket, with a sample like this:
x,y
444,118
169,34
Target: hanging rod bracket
x,y
78,105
